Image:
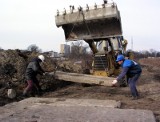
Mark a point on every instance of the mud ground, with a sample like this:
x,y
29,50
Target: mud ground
x,y
148,87
149,91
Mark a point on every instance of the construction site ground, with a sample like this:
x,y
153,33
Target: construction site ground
x,y
148,87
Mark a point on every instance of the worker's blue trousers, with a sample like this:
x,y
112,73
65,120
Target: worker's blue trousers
x,y
132,84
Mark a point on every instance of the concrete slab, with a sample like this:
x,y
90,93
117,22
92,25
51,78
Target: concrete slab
x,y
83,78
71,110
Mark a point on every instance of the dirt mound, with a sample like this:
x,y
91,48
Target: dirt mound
x,y
70,66
13,64
151,64
150,61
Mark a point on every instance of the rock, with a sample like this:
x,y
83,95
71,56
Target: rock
x,y
11,93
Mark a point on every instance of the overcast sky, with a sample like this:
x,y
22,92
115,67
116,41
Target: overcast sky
x,y
26,22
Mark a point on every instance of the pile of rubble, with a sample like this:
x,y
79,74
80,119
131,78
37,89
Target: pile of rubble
x,y
13,64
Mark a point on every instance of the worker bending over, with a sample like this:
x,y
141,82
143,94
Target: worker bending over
x,y
32,70
132,70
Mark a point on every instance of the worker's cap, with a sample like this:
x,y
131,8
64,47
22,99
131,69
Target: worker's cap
x,y
41,57
120,58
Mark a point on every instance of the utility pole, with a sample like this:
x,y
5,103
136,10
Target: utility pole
x,y
132,43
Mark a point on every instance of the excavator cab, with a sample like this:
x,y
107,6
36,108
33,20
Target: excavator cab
x,y
100,27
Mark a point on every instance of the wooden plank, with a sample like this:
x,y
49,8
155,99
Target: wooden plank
x,y
83,78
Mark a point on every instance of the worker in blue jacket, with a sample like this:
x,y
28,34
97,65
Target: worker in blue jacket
x,y
132,70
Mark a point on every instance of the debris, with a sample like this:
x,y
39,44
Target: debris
x,y
11,93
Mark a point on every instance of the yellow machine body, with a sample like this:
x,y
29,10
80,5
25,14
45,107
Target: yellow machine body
x,y
100,27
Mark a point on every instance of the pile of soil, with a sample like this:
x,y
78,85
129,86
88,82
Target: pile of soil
x,y
13,64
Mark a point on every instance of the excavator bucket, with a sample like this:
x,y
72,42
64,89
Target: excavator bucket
x,y
91,23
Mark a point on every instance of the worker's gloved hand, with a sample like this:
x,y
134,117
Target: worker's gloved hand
x,y
114,82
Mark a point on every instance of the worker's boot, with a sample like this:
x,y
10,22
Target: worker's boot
x,y
24,95
33,94
135,97
38,92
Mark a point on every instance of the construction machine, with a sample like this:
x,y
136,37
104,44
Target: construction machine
x,y
99,26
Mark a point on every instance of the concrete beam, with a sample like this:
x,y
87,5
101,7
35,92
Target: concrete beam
x,y
83,78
